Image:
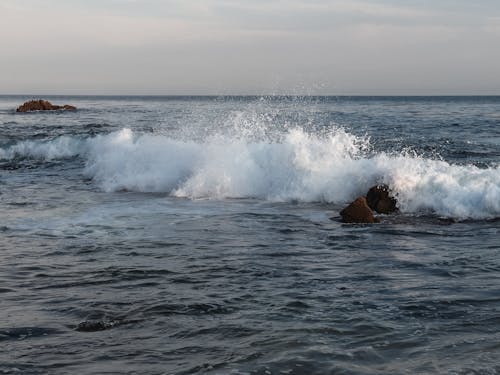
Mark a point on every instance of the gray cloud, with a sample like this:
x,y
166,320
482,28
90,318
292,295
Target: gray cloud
x,y
240,47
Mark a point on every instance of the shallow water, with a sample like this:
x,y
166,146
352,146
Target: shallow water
x,y
201,235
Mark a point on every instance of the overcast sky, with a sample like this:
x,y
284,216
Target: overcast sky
x,y
337,47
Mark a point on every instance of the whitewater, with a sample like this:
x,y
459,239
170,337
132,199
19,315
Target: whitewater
x,y
201,235
333,168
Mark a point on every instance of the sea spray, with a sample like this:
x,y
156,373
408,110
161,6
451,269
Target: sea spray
x,y
302,167
459,191
146,163
333,167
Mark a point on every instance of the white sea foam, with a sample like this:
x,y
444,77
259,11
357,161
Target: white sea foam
x,y
330,168
301,167
437,186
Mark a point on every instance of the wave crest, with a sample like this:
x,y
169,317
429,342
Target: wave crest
x,y
59,148
334,167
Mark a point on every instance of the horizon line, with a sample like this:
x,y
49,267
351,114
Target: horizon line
x,y
249,95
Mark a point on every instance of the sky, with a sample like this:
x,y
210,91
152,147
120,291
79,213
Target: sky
x,y
239,47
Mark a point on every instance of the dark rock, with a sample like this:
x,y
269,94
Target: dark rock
x,y
94,326
358,212
43,105
379,198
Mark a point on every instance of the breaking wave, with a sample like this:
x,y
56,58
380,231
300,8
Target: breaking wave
x,y
59,148
334,167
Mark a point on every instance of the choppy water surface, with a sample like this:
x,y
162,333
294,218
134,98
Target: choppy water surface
x,y
201,235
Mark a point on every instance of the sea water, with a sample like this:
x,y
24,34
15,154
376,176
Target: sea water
x,y
185,235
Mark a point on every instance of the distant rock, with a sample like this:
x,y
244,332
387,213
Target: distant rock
x,y
43,105
379,198
358,212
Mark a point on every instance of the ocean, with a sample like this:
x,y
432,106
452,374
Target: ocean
x,y
201,235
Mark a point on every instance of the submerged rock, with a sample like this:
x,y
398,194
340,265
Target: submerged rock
x,y
358,212
94,326
379,198
43,105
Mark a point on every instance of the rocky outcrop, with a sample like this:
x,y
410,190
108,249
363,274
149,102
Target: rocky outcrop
x,y
101,325
358,212
43,105
94,326
379,199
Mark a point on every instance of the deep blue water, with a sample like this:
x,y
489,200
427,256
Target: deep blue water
x,y
201,235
